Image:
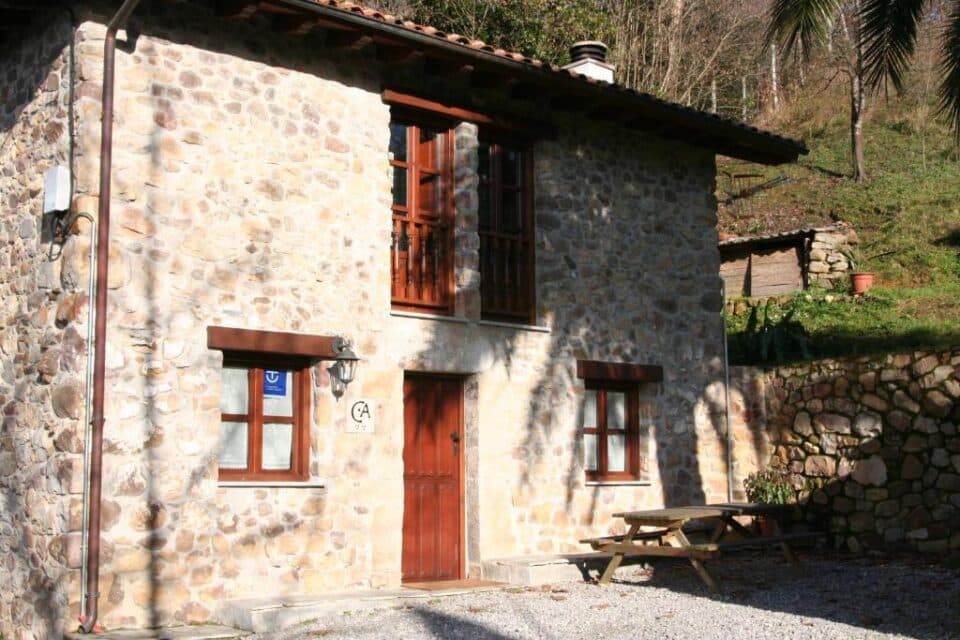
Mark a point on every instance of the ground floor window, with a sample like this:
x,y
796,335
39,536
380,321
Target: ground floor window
x,y
620,406
265,398
264,424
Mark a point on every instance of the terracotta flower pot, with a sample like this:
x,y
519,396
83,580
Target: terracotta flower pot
x,y
861,282
768,526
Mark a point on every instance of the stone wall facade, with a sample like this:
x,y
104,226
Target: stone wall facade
x,y
871,445
42,346
251,189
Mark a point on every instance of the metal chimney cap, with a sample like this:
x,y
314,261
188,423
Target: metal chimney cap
x,y
588,50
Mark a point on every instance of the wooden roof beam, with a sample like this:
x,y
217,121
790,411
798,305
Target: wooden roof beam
x,y
607,113
526,91
14,19
353,40
482,79
270,7
569,102
293,24
654,127
236,9
447,69
397,55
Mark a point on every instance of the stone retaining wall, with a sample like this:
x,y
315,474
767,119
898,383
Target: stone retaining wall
x,y
872,447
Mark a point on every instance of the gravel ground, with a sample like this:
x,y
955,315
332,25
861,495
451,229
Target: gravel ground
x,y
826,597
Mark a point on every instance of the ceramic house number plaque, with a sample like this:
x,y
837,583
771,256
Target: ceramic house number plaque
x,y
360,418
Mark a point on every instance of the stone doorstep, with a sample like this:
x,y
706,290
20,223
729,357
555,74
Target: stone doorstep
x,y
259,615
544,569
201,632
269,614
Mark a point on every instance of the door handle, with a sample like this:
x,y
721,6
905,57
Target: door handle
x,y
456,441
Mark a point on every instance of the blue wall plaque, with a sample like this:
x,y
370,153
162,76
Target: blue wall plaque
x,y
274,383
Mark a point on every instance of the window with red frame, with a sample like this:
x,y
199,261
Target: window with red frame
x,y
264,424
506,232
421,250
611,431
620,407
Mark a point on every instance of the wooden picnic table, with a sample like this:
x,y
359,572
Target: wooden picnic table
x,y
667,537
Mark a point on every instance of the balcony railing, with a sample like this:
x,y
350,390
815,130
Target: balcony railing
x,y
505,276
420,266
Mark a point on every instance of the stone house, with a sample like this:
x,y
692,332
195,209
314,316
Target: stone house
x,y
537,318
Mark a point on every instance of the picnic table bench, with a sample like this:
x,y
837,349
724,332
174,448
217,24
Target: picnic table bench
x,y
667,536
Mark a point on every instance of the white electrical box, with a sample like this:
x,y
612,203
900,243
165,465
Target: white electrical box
x,y
56,189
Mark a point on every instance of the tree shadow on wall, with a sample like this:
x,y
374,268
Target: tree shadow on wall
x,y
177,515
583,328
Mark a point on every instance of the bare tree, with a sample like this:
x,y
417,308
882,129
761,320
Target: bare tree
x,y
678,49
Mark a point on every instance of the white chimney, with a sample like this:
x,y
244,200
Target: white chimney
x,y
589,58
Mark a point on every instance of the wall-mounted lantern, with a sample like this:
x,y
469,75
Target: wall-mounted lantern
x,y
344,367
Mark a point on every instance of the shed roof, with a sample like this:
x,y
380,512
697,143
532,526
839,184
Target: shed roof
x,y
781,236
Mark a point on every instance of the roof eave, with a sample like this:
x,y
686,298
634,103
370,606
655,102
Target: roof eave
x,y
712,132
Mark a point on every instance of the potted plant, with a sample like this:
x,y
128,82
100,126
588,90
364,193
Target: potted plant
x,y
768,486
860,280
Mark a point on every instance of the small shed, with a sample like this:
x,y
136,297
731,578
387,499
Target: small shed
x,y
756,266
780,263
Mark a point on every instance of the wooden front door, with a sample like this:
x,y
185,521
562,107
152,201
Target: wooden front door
x,y
432,454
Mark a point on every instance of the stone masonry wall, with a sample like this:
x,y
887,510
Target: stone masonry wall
x,y
251,188
872,446
42,325
252,195
615,282
827,262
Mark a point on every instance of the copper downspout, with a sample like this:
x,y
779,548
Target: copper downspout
x,y
92,594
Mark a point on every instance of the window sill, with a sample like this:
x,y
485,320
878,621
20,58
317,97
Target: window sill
x,y
319,483
429,316
514,325
618,483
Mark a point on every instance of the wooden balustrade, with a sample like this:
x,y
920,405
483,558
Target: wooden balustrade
x,y
505,273
419,255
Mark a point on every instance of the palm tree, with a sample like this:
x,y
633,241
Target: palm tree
x,y
878,37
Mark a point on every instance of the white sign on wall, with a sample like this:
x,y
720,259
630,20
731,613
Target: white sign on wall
x,y
360,418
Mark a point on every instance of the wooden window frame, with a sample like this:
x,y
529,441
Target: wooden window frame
x,y
299,470
524,310
631,434
411,211
259,350
601,376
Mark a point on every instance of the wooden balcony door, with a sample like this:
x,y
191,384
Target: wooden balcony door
x,y
505,217
421,248
432,478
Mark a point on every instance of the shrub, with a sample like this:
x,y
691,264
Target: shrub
x,y
770,486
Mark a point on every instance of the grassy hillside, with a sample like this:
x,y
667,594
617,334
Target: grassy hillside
x,y
907,216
